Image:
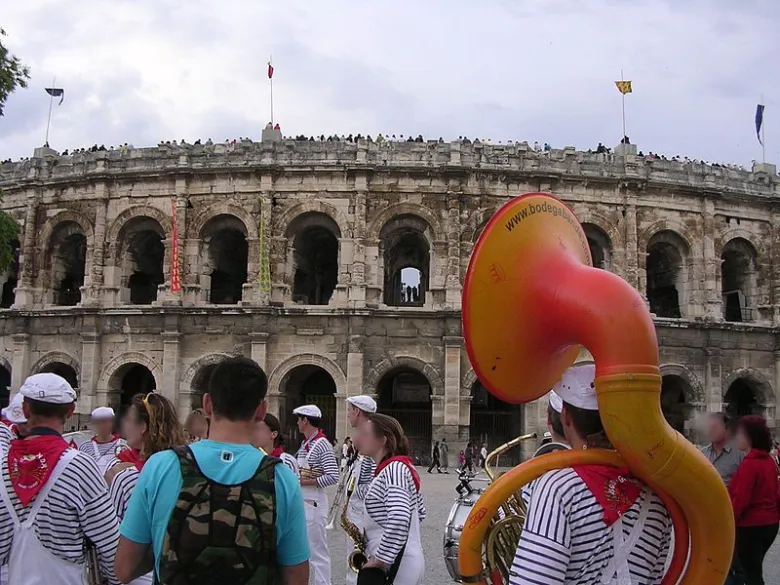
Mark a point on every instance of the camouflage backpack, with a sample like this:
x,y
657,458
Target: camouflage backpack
x,y
221,534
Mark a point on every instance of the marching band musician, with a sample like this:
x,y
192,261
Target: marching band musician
x,y
14,414
53,497
151,425
105,445
394,506
197,425
361,468
319,470
269,438
590,524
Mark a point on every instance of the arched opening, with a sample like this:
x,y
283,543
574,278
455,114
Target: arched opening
x,y
674,401
314,257
494,422
406,254
5,386
67,255
600,246
127,381
225,257
10,279
141,257
743,398
667,275
308,384
63,371
738,280
405,393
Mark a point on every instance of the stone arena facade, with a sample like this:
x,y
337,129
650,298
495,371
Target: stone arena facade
x,y
367,246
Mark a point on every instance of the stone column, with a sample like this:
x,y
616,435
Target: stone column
x,y
20,367
259,354
713,304
357,290
776,272
451,402
25,291
266,209
90,372
713,390
634,271
355,365
453,292
172,373
96,291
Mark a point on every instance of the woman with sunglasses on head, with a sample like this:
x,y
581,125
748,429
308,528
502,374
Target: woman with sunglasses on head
x,y
269,438
150,425
394,505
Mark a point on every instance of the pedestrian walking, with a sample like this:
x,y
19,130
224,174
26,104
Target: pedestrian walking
x,y
435,461
444,457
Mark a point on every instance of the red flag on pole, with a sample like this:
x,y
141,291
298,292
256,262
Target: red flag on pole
x,y
270,70
175,280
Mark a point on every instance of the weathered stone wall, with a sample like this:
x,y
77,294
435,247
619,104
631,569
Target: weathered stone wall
x,y
365,195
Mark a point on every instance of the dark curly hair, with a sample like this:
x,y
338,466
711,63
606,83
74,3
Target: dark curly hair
x,y
754,427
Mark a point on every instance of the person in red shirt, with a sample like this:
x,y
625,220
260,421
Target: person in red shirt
x,y
754,496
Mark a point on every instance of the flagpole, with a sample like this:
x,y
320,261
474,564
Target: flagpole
x,y
763,133
271,81
623,95
51,101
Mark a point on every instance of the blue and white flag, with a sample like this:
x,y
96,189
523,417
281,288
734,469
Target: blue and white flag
x,y
759,122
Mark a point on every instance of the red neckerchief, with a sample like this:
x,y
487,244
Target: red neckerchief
x,y
614,489
132,456
31,462
406,461
277,451
309,442
114,438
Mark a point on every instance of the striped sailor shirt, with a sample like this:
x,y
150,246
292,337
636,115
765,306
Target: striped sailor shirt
x,y
565,540
321,458
390,499
99,450
364,471
76,507
121,489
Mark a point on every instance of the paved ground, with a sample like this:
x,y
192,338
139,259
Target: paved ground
x,y
439,491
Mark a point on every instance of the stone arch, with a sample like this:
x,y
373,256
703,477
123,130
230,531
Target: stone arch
x,y
406,259
758,382
209,359
407,208
64,217
739,279
610,228
5,363
307,359
138,211
285,219
65,260
377,372
476,224
223,259
129,358
191,386
57,357
601,245
694,393
669,274
195,228
733,233
468,382
663,225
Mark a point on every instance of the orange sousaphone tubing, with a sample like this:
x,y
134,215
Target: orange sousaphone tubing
x,y
531,298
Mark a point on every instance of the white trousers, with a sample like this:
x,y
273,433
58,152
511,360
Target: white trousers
x,y
318,542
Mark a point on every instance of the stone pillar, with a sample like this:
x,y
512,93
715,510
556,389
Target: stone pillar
x,y
713,303
259,354
357,290
451,403
634,271
266,209
20,367
355,365
90,367
775,272
713,390
25,291
172,373
453,292
95,295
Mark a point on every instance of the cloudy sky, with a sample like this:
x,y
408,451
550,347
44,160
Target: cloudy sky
x,y
141,71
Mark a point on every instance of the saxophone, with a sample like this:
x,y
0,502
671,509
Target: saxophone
x,y
92,565
357,558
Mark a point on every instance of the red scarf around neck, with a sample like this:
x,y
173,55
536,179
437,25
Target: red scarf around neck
x,y
31,463
114,437
307,444
278,450
132,456
406,461
615,489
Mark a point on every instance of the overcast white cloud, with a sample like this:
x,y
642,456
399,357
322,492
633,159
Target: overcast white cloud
x,y
144,70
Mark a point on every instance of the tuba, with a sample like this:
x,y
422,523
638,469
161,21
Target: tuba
x,y
507,525
357,558
531,298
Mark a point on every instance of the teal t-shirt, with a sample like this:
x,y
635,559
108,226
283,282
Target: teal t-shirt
x,y
158,487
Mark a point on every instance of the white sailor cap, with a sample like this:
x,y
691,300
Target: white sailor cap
x,y
578,386
547,435
363,402
555,401
15,413
311,410
49,388
103,413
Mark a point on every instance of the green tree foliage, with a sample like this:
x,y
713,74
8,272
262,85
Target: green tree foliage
x,y
12,73
9,234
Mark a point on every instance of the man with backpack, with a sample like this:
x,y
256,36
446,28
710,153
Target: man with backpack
x,y
218,511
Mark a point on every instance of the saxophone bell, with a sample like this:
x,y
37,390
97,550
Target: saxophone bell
x,y
356,560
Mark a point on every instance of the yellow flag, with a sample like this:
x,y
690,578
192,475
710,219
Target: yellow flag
x,y
624,87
